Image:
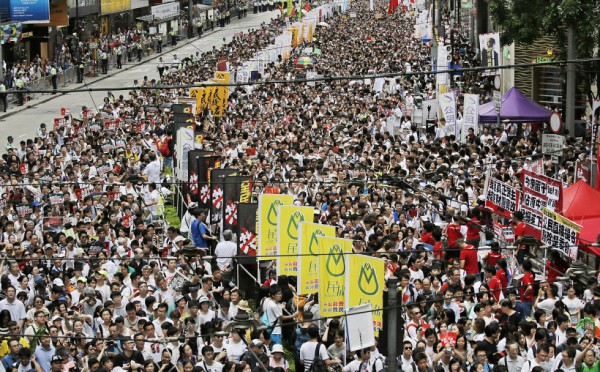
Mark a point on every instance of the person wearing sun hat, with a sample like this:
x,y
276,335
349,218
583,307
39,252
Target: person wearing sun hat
x,y
277,359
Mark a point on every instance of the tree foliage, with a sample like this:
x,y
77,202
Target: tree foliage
x,y
525,21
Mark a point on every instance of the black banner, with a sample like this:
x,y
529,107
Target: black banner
x,y
192,184
237,189
182,108
247,238
183,118
205,164
217,177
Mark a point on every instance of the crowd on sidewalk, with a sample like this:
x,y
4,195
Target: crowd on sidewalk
x,y
91,273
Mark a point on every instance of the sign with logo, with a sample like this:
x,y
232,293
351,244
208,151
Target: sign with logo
x,y
366,278
289,219
560,233
332,275
502,198
308,255
30,11
268,211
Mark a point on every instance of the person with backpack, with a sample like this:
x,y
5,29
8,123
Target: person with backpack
x,y
273,314
313,354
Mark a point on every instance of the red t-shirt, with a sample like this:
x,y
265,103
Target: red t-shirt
x,y
453,233
427,238
469,255
527,280
472,232
501,275
438,252
520,230
495,287
493,258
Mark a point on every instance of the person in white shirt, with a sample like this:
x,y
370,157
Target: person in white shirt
x,y
152,170
309,348
225,251
14,306
405,361
513,361
362,364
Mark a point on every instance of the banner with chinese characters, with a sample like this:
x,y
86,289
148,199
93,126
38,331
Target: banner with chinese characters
x,y
237,189
205,164
365,276
539,192
448,107
289,218
332,275
268,210
217,177
308,255
502,198
247,241
470,116
191,185
560,233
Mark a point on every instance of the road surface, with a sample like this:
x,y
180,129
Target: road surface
x,y
22,122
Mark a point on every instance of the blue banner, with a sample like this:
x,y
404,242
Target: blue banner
x,y
30,11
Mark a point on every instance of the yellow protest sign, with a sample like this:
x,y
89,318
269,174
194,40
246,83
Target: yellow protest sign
x,y
222,77
295,32
332,275
268,208
201,103
194,92
289,218
308,255
366,278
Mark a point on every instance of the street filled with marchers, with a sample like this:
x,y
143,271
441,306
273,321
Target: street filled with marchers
x,y
302,224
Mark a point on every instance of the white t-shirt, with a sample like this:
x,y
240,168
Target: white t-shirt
x,y
235,350
273,313
307,353
225,251
215,367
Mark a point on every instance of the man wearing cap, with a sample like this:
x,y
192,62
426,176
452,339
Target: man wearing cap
x,y
256,348
56,363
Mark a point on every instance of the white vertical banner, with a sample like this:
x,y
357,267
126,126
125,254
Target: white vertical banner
x,y
371,5
470,115
442,64
448,107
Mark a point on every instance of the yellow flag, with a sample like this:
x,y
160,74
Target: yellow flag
x,y
366,278
201,104
268,208
332,275
288,222
308,255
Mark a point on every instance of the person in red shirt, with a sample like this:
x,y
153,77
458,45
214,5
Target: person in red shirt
x,y
495,255
438,246
453,234
469,260
526,290
519,227
502,274
473,227
427,234
492,281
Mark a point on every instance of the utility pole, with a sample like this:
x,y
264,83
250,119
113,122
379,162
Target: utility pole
x,y
570,104
392,335
190,19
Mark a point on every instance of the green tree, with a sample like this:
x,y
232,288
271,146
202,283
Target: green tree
x,y
524,21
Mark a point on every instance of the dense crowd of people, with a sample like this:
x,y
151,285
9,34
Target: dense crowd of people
x,y
91,273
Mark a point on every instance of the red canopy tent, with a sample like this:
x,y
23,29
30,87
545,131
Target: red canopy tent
x,y
581,204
